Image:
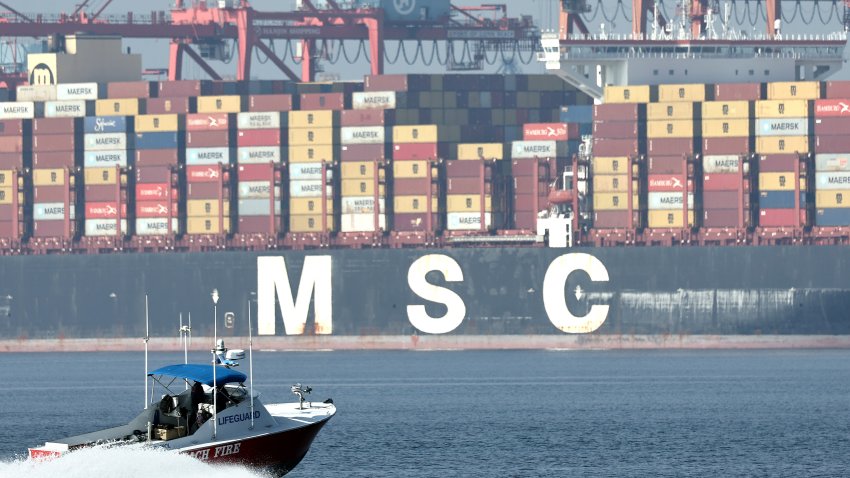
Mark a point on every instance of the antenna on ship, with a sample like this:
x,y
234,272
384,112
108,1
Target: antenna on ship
x,y
215,360
185,333
147,338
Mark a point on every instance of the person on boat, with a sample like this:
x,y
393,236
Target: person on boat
x,y
198,397
222,398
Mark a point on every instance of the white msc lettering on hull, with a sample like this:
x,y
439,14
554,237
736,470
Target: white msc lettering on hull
x,y
273,281
456,309
553,293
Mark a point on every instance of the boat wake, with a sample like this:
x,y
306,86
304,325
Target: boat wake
x,y
125,462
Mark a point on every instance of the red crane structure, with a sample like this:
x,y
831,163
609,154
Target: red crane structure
x,y
194,23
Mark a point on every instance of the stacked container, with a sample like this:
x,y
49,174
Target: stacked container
x,y
207,169
311,157
832,162
781,138
157,149
415,201
54,147
12,197
532,173
618,137
104,170
472,193
363,154
259,179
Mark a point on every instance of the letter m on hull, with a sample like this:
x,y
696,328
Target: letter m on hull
x,y
273,286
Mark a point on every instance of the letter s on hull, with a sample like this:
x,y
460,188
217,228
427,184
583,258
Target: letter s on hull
x,y
273,279
417,314
553,293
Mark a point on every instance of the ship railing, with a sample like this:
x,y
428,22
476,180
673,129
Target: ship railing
x,y
732,36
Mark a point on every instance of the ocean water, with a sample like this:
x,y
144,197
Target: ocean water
x,y
475,413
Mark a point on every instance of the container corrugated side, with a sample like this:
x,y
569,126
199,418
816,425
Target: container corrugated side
x,y
668,219
301,206
782,144
626,94
723,128
472,151
683,92
670,111
725,110
782,109
156,123
425,133
784,90
105,141
17,110
219,104
610,165
117,107
614,201
414,204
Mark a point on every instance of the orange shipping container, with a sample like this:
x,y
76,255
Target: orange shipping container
x,y
691,93
309,223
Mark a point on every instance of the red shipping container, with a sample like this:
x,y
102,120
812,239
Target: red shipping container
x,y
204,174
152,191
179,88
156,157
666,165
832,126
362,117
161,106
207,139
11,160
258,137
323,101
777,163
550,131
104,210
12,127
53,142
531,167
11,144
7,229
43,126
668,183
670,146
148,209
207,122
414,222
259,225
53,159
260,103
780,217
396,82
616,129
720,146
614,219
467,169
206,191
837,89
362,152
53,228
722,182
616,147
618,112
104,193
831,144
414,151
258,172
737,91
530,184
721,218
6,211
525,220
52,194
128,89
528,203
832,108
415,187
721,200
154,174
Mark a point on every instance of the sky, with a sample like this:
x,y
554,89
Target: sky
x,y
155,52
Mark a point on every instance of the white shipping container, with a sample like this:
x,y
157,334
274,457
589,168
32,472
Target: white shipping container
x,y
467,221
533,149
826,181
105,141
307,172
103,159
361,205
309,189
36,93
76,91
832,162
362,135
156,226
256,190
361,222
258,155
257,207
17,110
373,100
727,163
50,211
207,156
264,120
65,109
104,227
782,127
669,200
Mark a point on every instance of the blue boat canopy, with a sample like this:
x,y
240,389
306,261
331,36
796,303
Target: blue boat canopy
x,y
201,373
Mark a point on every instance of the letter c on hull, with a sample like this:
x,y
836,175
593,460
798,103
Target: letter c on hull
x,y
553,293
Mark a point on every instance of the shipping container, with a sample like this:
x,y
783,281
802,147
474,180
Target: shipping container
x,y
780,200
667,183
204,174
311,136
780,217
103,141
275,102
783,127
414,151
413,204
361,135
782,109
53,126
365,100
258,137
533,149
782,144
258,155
108,193
832,180
413,169
828,144
65,109
310,223
721,200
670,111
49,177
360,187
550,131
737,91
666,165
207,156
468,202
609,183
415,134
259,120
11,160
418,187
785,90
467,221
474,169
610,165
157,226
311,119
155,209
154,174
726,145
98,159
53,228
668,200
51,211
12,144
219,104
353,205
618,112
159,140
259,207
156,157
117,107
689,93
207,225
156,123
53,142
128,89
308,172
664,219
11,127
323,101
207,139
256,190
104,227
780,181
311,188
832,108
669,146
302,206
100,176
207,122
614,219
722,218
669,129
831,126
35,93
721,164
45,194
361,222
722,182
832,162
158,106
626,94
17,110
104,124
258,172
614,201
207,207
76,91
616,130
104,210
724,128
360,169
311,154
365,117
725,110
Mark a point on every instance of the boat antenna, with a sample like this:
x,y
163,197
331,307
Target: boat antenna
x,y
215,360
147,338
185,332
251,358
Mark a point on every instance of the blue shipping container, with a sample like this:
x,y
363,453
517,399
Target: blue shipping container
x,y
159,140
779,200
832,217
577,114
105,124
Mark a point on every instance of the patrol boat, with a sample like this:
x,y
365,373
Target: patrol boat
x,y
242,430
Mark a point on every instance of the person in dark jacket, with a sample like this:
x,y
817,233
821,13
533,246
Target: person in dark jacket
x,y
198,397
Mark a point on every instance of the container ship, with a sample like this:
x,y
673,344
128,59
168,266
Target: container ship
x,y
416,205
